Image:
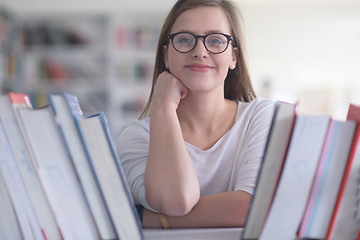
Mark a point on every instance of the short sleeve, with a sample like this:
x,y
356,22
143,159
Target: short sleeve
x,y
249,157
133,149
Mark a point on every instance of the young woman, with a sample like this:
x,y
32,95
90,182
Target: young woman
x,y
192,158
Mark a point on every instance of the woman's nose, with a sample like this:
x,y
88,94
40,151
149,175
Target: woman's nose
x,y
200,49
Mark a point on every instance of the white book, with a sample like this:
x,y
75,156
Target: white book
x,y
9,224
66,108
327,180
295,182
345,221
28,171
27,219
57,174
109,175
275,151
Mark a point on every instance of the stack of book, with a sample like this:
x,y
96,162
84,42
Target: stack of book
x,y
60,176
308,185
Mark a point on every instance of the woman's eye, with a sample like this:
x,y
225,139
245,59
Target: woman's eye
x,y
185,40
215,41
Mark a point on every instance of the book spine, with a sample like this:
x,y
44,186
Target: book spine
x,y
87,153
344,182
119,167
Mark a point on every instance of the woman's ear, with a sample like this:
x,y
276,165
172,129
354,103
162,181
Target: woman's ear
x,y
165,52
235,54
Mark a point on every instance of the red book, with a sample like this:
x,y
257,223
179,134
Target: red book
x,y
345,220
20,99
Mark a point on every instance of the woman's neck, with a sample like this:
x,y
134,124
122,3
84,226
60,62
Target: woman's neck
x,y
205,120
205,112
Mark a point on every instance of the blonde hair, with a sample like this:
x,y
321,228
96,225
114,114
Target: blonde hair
x,y
237,83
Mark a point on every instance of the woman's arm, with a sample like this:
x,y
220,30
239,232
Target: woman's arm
x,y
227,209
171,182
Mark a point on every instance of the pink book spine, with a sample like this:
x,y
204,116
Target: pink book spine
x,y
304,228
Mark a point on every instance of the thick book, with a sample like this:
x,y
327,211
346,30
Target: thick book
x,y
345,220
28,221
57,174
270,171
110,177
295,182
26,167
66,108
327,180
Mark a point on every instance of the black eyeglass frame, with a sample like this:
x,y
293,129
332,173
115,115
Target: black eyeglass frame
x,y
228,37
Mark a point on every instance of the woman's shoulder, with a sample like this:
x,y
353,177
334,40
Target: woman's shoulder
x,y
256,106
142,124
260,102
136,128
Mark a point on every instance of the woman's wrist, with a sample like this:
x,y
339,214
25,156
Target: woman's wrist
x,y
163,109
151,219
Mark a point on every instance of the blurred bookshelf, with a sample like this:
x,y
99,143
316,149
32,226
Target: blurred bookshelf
x,y
65,53
133,47
9,49
105,59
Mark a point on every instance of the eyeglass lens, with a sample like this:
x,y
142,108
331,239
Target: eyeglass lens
x,y
185,42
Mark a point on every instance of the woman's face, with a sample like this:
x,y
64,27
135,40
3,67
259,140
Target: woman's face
x,y
200,70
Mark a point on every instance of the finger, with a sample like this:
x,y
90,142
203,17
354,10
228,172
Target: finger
x,y
184,91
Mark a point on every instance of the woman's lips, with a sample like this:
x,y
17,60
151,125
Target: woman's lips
x,y
199,67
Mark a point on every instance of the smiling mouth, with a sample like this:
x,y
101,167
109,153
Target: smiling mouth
x,y
199,67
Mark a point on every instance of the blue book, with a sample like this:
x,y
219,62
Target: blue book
x,y
66,109
106,167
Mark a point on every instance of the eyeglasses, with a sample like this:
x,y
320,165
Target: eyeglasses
x,y
185,42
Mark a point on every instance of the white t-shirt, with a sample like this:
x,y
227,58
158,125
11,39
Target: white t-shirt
x,y
231,164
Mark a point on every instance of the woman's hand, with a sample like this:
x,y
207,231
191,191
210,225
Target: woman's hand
x,y
168,91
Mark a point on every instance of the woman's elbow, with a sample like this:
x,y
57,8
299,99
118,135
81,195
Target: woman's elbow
x,y
173,204
238,213
240,220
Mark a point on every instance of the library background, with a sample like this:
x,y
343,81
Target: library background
x,y
103,52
